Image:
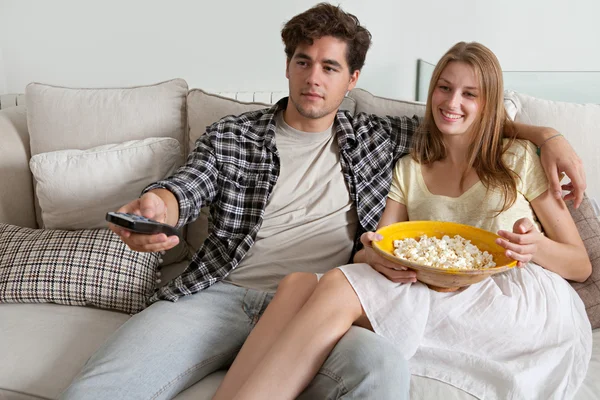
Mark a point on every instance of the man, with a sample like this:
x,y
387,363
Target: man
x,y
291,188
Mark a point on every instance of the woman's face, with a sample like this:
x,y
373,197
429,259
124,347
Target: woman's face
x,y
455,100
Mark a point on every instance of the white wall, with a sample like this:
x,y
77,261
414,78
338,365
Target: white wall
x,y
231,45
2,75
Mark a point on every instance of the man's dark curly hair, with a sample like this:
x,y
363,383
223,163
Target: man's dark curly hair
x,y
327,20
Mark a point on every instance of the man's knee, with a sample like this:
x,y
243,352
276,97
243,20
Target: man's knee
x,y
368,361
372,352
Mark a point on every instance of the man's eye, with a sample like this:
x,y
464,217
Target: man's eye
x,y
330,69
301,63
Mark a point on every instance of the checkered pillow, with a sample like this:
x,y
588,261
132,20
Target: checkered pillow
x,y
588,226
82,267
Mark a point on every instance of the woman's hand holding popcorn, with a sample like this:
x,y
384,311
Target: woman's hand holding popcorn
x,y
389,269
521,244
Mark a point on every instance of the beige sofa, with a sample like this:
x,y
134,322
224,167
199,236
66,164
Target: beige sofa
x,y
43,346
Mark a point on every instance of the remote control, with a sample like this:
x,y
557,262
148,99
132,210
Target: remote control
x,y
139,224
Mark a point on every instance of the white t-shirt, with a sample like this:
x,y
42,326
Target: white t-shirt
x,y
310,221
475,207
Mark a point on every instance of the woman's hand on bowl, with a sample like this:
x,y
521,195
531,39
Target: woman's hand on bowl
x,y
389,269
521,243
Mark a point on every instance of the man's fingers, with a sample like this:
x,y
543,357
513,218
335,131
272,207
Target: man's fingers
x,y
578,183
578,195
553,175
148,205
150,243
130,208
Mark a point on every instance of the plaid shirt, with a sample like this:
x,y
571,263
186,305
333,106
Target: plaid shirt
x,y
235,166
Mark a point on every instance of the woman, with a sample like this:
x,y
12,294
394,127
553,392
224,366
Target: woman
x,y
520,334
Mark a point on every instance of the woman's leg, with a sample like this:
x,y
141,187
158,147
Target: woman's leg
x,y
304,344
293,291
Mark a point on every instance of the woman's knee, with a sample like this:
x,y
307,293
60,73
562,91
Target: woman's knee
x,y
333,277
297,283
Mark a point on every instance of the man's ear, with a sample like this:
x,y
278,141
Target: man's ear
x,y
353,79
287,68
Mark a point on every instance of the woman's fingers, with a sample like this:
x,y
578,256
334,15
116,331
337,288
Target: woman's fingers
x,y
368,237
517,238
396,275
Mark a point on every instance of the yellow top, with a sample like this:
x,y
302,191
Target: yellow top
x,y
475,207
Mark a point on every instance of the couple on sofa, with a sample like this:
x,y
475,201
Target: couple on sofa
x,y
299,189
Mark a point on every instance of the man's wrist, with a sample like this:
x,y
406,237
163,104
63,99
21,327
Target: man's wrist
x,y
539,148
544,135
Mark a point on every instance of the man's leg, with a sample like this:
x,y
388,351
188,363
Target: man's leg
x,y
170,346
362,365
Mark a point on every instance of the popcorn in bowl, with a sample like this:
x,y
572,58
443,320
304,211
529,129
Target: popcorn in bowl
x,y
447,252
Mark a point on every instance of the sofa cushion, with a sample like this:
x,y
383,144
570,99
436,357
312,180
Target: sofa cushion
x,y
44,346
382,106
578,122
85,267
62,118
76,188
588,225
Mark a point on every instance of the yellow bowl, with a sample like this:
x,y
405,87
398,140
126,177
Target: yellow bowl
x,y
442,279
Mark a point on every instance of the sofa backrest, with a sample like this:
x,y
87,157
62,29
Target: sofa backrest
x,y
11,100
16,196
61,118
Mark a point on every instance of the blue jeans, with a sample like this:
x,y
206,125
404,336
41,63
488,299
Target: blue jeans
x,y
170,346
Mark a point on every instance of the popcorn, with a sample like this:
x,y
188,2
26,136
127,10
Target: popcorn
x,y
447,252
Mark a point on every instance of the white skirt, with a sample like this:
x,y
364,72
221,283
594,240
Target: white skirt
x,y
521,334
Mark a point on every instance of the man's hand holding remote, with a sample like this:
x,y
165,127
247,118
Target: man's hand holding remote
x,y
159,205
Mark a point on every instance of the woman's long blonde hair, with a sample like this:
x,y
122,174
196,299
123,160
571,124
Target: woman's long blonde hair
x,y
488,130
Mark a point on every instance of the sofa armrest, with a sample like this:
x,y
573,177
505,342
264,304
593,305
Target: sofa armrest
x,y
16,190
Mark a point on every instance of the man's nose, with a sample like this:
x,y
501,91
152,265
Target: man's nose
x,y
314,76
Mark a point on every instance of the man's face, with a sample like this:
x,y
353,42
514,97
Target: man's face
x,y
319,78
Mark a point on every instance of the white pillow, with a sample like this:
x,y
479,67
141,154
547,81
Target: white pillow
x,y
578,122
76,188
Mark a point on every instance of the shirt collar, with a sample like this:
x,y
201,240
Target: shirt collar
x,y
341,125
